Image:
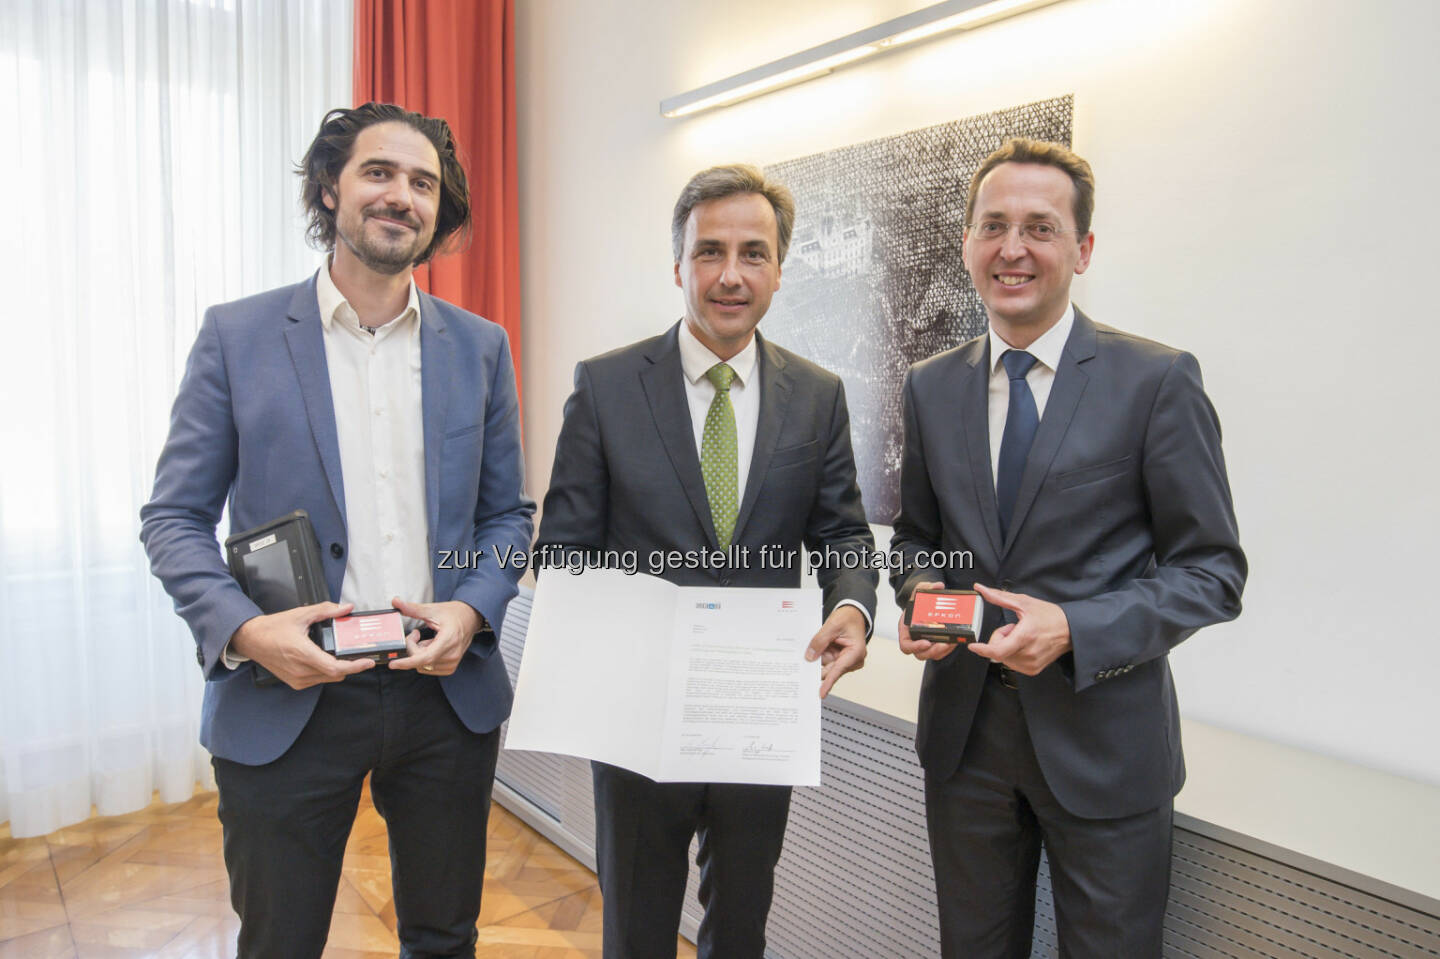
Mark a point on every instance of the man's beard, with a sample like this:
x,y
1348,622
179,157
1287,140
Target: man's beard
x,y
384,257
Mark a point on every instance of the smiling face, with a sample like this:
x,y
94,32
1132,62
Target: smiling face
x,y
1024,284
729,268
386,197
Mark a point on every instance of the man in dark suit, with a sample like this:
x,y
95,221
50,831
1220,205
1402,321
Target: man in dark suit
x,y
390,417
704,438
1081,467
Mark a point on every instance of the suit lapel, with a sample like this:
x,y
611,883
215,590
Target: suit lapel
x,y
1069,385
972,399
664,385
305,338
775,391
437,370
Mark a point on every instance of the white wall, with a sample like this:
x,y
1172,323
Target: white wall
x,y
1267,180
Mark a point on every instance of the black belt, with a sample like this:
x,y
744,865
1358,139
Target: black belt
x,y
1004,675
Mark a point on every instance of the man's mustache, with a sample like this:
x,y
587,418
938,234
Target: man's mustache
x,y
395,215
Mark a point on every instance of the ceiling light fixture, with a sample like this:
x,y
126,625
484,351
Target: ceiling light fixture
x,y
932,21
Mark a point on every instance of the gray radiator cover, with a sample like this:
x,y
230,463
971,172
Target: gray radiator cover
x,y
868,892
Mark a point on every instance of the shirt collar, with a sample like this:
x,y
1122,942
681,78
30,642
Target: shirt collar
x,y
1047,349
332,300
696,358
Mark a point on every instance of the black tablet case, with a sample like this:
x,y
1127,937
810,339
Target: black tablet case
x,y
278,566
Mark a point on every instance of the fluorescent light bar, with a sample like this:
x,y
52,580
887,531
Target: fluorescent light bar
x,y
968,20
775,81
932,21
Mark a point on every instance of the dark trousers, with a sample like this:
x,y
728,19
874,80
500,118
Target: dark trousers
x,y
642,851
285,823
1110,877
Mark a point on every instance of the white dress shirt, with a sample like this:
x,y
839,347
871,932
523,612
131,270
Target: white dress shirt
x,y
1046,350
376,391
379,422
696,359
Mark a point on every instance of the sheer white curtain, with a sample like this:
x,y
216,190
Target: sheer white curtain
x,y
152,144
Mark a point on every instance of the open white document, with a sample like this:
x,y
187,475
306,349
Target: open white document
x,y
678,683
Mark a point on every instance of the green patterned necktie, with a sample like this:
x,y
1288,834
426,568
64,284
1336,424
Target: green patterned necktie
x,y
719,455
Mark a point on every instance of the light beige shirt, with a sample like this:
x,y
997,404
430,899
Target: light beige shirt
x,y
1046,350
379,421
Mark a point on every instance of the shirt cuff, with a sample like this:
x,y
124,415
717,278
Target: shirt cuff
x,y
869,623
232,659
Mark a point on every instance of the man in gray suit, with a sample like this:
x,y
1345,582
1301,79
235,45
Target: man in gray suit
x,y
1081,466
708,437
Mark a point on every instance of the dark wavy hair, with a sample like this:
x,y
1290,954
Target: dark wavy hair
x,y
330,150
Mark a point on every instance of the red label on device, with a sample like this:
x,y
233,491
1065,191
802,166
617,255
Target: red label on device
x,y
368,630
949,609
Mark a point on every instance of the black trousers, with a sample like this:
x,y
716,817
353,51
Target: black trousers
x,y
1110,877
285,823
642,851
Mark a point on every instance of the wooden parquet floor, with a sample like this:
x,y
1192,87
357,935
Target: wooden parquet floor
x,y
152,884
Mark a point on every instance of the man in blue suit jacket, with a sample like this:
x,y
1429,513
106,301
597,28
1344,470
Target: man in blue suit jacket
x,y
391,418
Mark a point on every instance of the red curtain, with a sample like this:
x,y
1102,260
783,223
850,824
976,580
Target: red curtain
x,y
456,59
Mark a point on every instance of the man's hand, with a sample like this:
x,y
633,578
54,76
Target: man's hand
x,y
839,645
923,649
455,624
1040,637
281,643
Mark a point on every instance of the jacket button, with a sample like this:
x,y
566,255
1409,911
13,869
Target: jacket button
x,y
199,656
725,581
1007,585
336,550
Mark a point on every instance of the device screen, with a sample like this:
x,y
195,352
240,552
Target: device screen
x,y
270,576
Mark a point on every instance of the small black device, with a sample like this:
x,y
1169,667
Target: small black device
x,y
278,566
377,634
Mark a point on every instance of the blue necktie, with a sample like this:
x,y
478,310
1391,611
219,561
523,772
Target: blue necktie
x,y
1021,421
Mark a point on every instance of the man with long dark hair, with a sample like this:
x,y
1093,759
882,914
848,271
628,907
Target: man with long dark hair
x,y
391,418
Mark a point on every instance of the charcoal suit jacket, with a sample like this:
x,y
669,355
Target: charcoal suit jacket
x,y
1123,518
627,474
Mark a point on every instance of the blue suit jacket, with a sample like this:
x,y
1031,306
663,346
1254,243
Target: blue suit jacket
x,y
254,421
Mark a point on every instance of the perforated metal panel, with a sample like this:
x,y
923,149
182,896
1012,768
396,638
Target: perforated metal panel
x,y
1226,900
538,777
822,906
855,880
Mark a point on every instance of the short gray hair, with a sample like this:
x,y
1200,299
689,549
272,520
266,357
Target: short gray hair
x,y
733,179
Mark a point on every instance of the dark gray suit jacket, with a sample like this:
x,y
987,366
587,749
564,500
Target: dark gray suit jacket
x,y
1123,517
627,474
